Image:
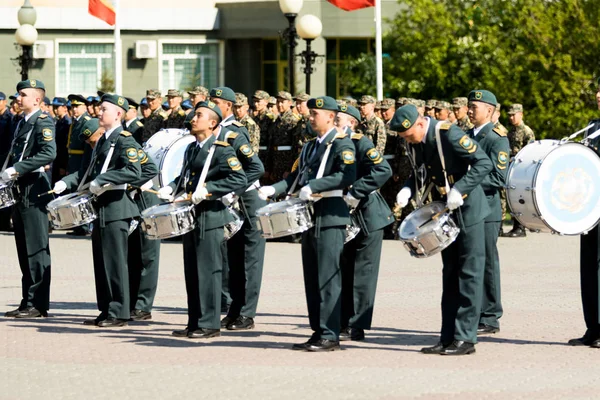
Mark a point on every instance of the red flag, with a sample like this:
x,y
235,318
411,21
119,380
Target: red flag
x,y
351,5
102,9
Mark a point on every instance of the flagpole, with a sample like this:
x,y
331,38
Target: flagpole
x,y
378,50
118,51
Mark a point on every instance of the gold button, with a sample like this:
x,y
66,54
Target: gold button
x,y
429,166
193,173
433,177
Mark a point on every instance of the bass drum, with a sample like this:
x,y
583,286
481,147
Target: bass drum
x,y
167,148
554,186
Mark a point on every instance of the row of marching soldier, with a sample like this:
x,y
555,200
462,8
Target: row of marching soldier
x,y
338,172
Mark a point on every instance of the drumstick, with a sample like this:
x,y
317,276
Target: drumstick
x,y
48,192
189,197
436,216
315,195
150,191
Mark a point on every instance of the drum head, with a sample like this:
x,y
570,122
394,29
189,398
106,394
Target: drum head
x,y
167,208
71,198
411,226
280,206
172,161
567,187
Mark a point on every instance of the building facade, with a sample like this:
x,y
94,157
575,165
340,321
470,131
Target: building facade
x,y
210,43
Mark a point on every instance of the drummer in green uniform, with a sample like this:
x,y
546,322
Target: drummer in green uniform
x,y
326,167
210,171
361,257
466,165
115,164
74,144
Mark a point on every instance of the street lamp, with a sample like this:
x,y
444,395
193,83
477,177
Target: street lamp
x,y
26,35
290,8
309,28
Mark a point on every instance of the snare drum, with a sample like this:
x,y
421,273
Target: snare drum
x,y
353,229
234,226
72,210
7,197
168,220
285,218
167,149
423,236
555,187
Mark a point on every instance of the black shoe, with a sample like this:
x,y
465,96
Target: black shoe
x,y
304,346
13,313
225,322
323,345
345,334
181,333
204,333
515,233
112,323
31,312
78,232
586,340
241,323
354,334
458,348
596,344
485,329
437,349
140,315
95,321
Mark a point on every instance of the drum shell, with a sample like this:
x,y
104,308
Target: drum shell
x,y
284,218
160,222
72,210
353,229
233,227
167,148
7,197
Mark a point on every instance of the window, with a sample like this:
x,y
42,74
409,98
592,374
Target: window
x,y
274,66
84,67
185,65
338,50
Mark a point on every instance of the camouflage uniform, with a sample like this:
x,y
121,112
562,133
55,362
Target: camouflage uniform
x,y
463,123
156,120
253,130
264,121
304,131
176,119
373,127
282,142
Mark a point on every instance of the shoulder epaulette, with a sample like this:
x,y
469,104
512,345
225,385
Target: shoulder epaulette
x,y
356,136
237,123
445,126
232,135
219,143
42,116
341,135
298,117
125,133
87,117
181,113
163,114
139,124
500,131
271,116
250,121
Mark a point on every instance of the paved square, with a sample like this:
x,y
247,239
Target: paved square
x,y
59,358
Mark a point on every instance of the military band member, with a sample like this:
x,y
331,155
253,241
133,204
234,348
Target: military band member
x,y
33,148
322,245
187,107
115,164
283,133
62,126
202,250
589,265
176,118
240,109
493,141
132,123
157,118
6,138
361,256
246,249
371,126
519,136
74,145
90,106
460,108
145,109
466,166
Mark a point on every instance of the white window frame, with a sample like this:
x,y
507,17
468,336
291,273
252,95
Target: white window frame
x,y
168,57
58,57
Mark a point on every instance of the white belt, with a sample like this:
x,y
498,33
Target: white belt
x,y
389,156
110,186
262,147
255,185
332,193
279,148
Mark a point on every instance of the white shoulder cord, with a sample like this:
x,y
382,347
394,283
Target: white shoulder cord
x,y
441,153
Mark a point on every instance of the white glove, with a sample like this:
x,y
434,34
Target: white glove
x,y
200,194
403,197
306,193
455,199
147,185
95,188
165,193
59,187
229,199
264,192
351,200
9,174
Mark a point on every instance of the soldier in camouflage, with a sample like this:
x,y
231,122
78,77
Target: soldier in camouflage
x,y
305,132
265,119
283,134
378,110
430,108
421,107
371,126
441,110
156,120
273,106
240,109
460,107
519,136
176,118
197,94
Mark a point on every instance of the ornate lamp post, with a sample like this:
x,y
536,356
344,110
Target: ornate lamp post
x,y
309,28
290,8
26,35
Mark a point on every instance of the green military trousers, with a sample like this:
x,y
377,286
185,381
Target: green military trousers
x,y
491,304
590,280
143,257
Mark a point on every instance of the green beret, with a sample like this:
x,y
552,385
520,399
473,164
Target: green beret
x,y
323,103
88,128
224,93
31,84
211,106
404,118
350,110
116,100
484,96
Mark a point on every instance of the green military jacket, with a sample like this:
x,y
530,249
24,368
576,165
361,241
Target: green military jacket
x,y
339,173
225,175
372,171
75,143
149,170
136,128
494,143
123,168
466,166
38,152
